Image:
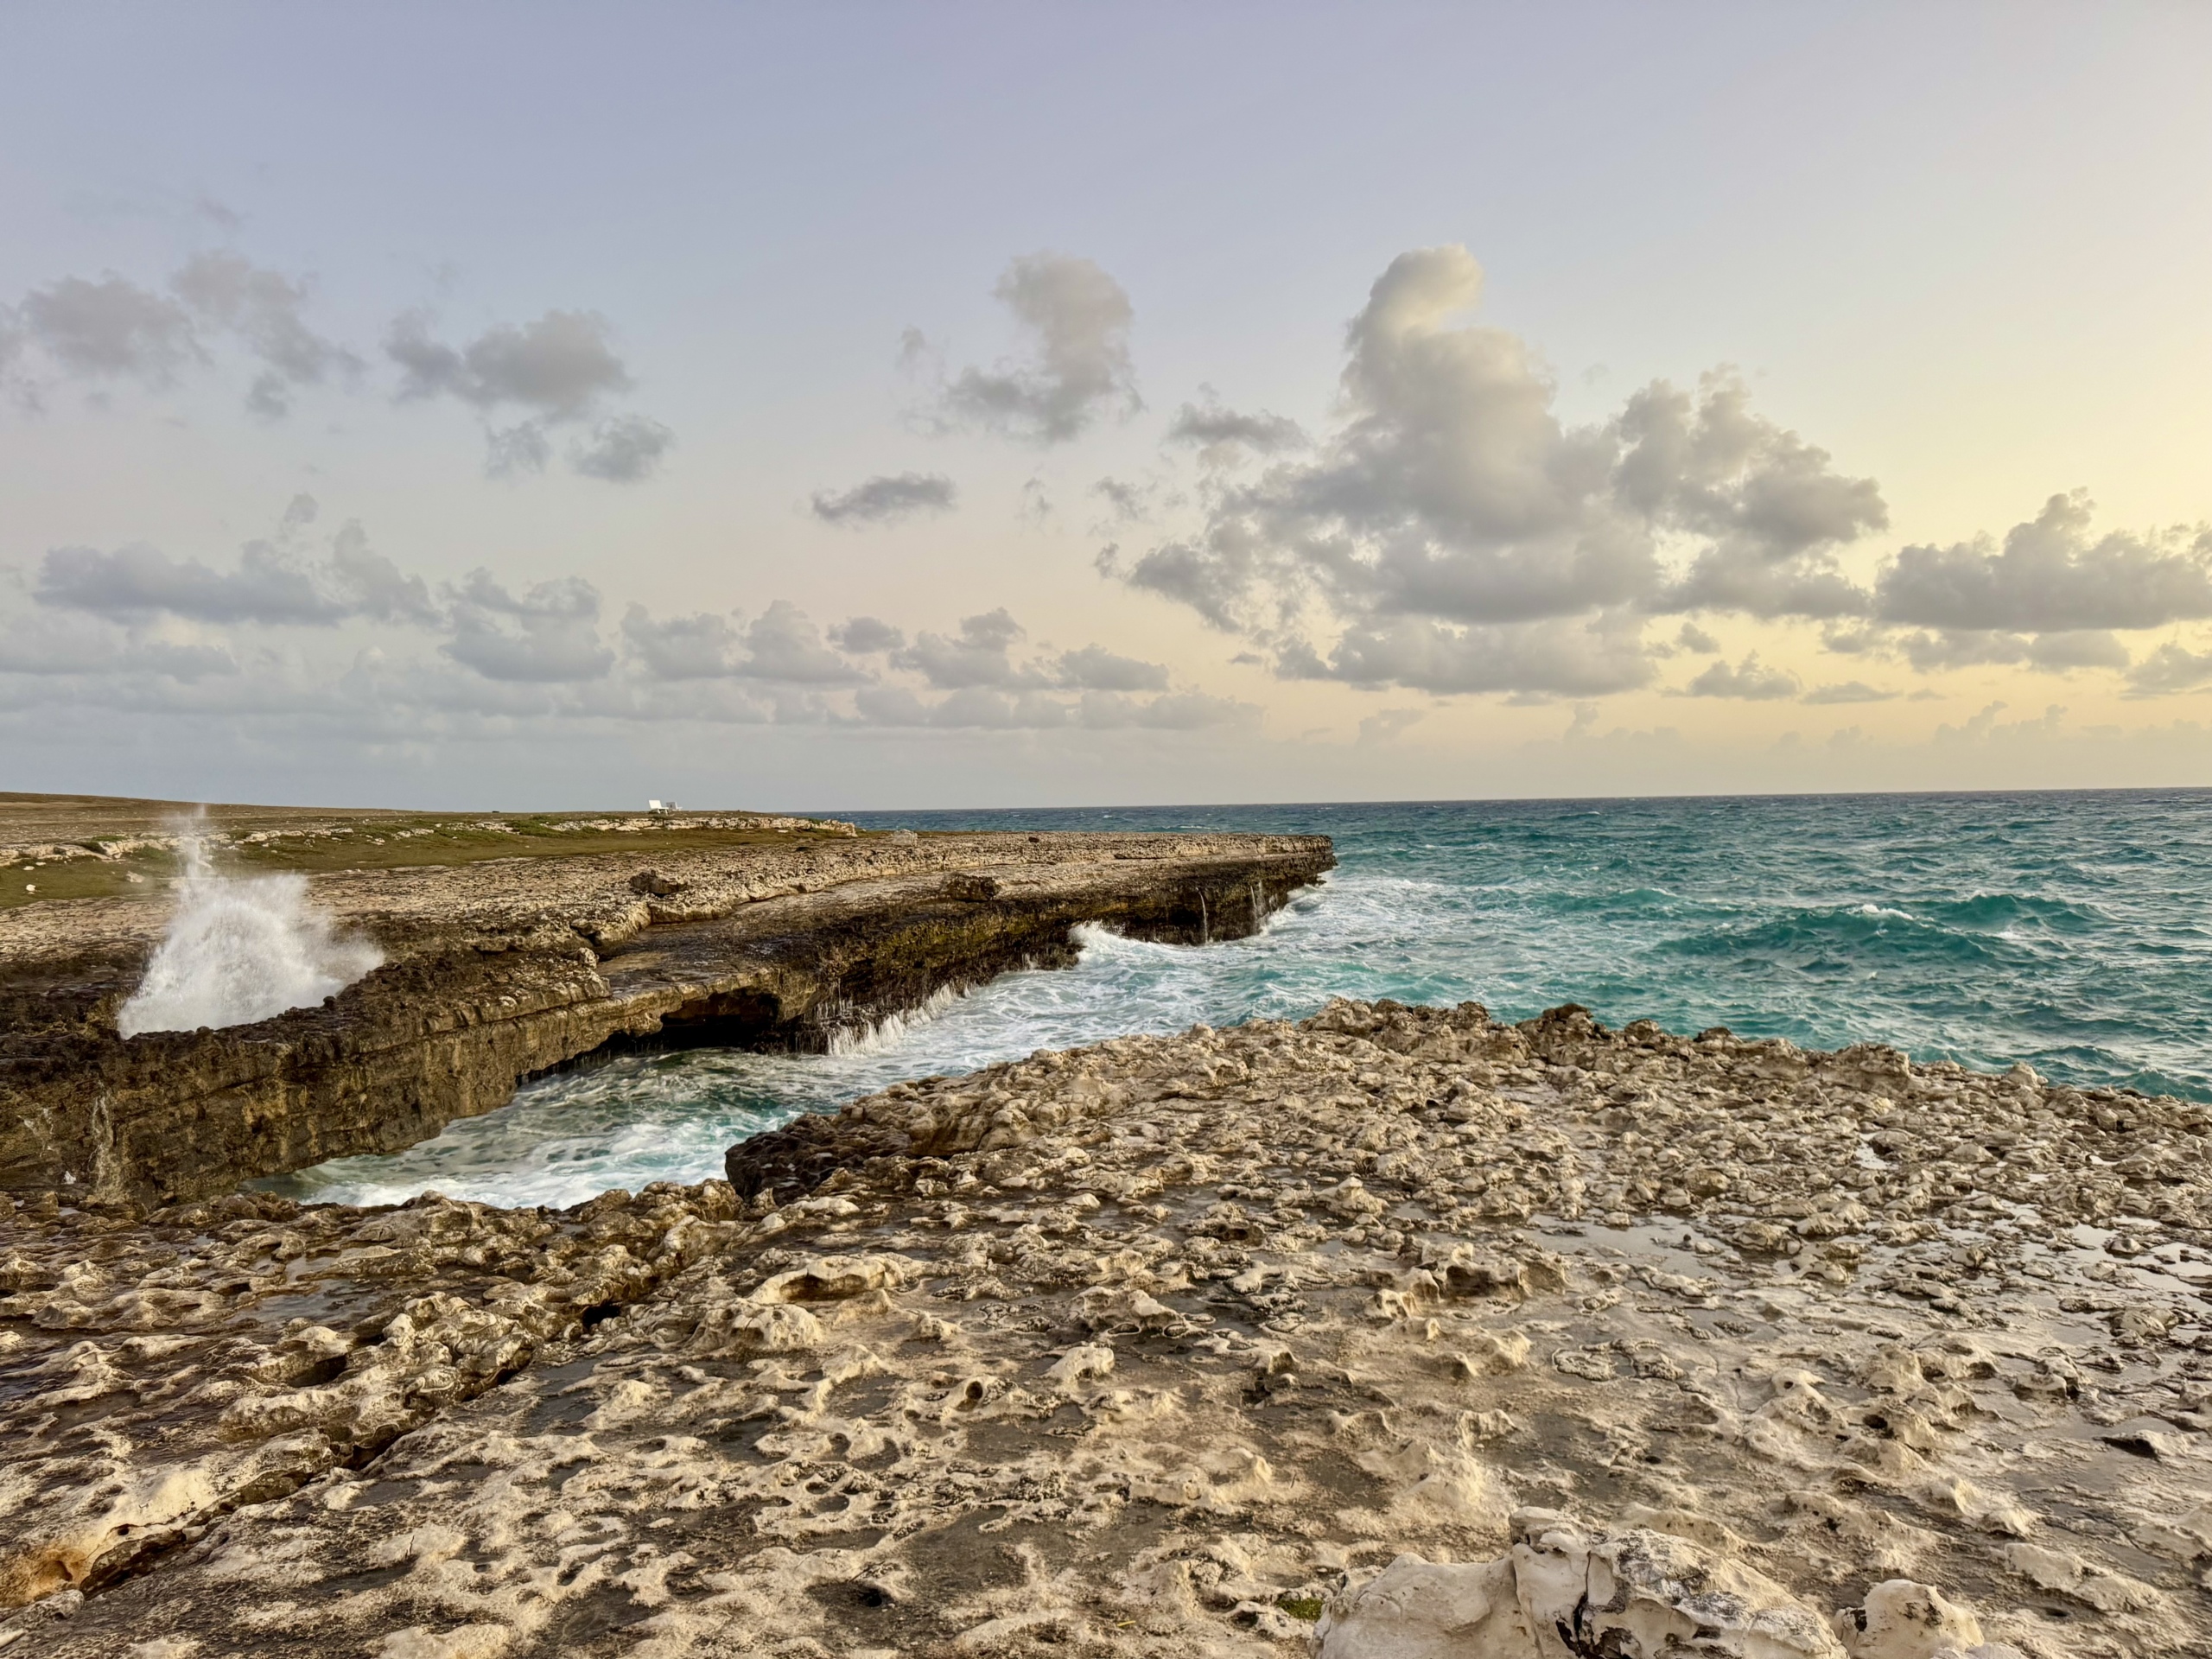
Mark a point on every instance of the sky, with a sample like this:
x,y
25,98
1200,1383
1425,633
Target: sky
x,y
849,406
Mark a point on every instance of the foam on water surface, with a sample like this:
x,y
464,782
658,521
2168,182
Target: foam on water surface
x,y
2069,931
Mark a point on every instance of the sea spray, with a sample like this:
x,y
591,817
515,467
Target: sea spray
x,y
241,948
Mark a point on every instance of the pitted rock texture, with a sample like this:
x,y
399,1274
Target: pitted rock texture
x,y
494,971
1173,1347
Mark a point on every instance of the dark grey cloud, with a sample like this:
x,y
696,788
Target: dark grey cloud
x,y
1752,681
2050,575
887,498
112,328
864,636
547,634
277,581
1075,365
263,309
626,449
1451,511
560,366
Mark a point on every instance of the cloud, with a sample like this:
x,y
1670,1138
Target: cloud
x,y
1387,725
2051,575
1094,668
1751,680
987,708
1555,657
1130,501
886,499
699,648
1769,506
1692,637
977,656
548,634
276,581
980,656
50,647
510,451
561,368
864,636
1848,691
1457,535
112,328
1973,647
559,365
1224,437
1075,322
263,307
782,644
2169,669
623,450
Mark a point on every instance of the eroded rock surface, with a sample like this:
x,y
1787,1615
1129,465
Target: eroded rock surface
x,y
1395,1332
494,971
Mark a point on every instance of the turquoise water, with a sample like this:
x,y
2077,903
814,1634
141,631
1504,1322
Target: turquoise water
x,y
2067,929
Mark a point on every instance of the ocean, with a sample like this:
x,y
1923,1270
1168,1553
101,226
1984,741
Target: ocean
x,y
2068,930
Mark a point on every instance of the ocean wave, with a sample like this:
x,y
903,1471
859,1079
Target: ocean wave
x,y
2068,932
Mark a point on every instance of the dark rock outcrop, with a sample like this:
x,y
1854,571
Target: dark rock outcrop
x,y
497,972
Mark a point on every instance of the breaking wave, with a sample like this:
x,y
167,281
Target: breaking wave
x,y
2065,931
241,948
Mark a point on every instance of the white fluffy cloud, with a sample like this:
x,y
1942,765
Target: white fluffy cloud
x,y
2050,576
1458,535
1075,364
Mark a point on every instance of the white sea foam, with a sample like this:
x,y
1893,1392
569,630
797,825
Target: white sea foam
x,y
241,948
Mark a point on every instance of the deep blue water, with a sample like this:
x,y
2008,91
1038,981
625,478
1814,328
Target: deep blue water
x,y
2069,930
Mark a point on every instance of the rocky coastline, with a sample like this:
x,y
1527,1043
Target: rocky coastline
x,y
1395,1332
497,970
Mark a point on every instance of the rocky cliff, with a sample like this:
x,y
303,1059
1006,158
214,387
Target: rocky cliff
x,y
497,970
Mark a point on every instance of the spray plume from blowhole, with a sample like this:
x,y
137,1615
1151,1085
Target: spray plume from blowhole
x,y
241,948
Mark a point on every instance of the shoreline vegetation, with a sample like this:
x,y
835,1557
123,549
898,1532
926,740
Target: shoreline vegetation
x,y
1391,1331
